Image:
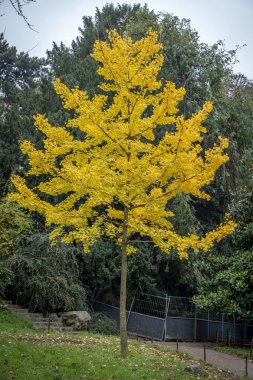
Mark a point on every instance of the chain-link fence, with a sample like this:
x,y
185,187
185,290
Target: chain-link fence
x,y
171,317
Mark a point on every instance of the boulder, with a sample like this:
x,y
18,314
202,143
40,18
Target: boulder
x,y
195,369
79,320
54,317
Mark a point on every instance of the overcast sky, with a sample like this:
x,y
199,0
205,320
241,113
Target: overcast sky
x,y
58,20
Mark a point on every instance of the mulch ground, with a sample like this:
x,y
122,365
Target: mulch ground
x,y
50,339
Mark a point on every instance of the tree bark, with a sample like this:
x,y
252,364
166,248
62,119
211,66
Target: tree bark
x,y
123,327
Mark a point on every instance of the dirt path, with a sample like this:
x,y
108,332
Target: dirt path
x,y
218,359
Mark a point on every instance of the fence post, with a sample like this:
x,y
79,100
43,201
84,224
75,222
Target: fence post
x,y
222,328
234,329
208,326
48,322
195,323
246,365
245,329
132,303
204,353
94,297
167,302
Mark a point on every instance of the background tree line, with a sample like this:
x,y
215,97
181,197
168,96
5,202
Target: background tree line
x,y
222,280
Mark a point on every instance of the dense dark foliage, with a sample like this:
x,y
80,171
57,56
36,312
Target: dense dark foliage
x,y
46,278
6,277
101,324
207,74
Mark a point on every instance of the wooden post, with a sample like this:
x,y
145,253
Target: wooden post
x,y
246,365
222,328
177,343
208,326
204,353
245,331
234,329
195,323
48,322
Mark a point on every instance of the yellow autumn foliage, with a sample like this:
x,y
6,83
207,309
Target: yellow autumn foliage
x,y
119,164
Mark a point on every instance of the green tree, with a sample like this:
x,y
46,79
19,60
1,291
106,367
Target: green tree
x,y
118,181
200,68
224,283
6,278
205,72
19,80
14,223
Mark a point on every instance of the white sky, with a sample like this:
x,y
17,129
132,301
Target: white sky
x,y
58,20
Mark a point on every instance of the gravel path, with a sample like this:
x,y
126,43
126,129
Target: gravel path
x,y
218,359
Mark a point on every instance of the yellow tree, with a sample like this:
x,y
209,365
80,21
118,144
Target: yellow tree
x,y
117,180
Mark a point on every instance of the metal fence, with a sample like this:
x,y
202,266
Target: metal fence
x,y
170,317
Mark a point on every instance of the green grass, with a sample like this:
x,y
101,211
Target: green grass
x,y
236,351
11,322
25,354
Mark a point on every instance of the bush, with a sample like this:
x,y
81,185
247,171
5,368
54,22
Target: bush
x,y
46,278
102,324
6,276
14,223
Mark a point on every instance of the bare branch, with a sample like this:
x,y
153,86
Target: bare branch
x,y
18,7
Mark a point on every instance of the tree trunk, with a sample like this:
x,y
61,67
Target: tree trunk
x,y
123,327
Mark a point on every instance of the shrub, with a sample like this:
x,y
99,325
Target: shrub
x,y
46,278
13,223
6,276
102,324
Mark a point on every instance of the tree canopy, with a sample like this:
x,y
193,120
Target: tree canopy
x,y
119,160
115,178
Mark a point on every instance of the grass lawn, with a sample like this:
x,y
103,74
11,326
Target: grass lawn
x,y
12,323
26,354
236,351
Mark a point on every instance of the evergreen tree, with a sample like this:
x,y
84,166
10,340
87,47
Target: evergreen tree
x,y
225,282
19,78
